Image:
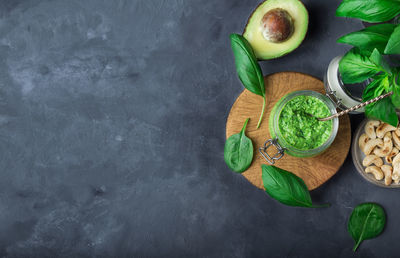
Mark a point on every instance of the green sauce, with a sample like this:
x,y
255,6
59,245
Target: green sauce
x,y
300,130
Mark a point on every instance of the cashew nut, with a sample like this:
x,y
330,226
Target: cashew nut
x,y
377,172
396,138
387,146
372,159
371,144
363,140
387,170
396,169
394,152
383,129
396,174
396,160
370,128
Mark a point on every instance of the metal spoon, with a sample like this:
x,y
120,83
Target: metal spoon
x,y
354,108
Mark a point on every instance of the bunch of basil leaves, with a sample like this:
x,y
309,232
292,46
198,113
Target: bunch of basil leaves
x,y
366,60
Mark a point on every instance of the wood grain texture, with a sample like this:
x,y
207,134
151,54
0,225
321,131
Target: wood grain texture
x,y
314,171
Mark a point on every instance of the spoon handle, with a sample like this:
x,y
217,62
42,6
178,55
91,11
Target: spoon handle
x,y
357,106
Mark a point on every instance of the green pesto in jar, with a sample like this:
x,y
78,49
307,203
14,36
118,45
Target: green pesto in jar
x,y
301,130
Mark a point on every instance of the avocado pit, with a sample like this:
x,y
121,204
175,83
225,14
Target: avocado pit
x,y
277,25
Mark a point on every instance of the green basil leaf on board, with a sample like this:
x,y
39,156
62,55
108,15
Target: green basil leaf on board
x,y
383,110
366,221
373,11
393,45
355,67
238,151
286,187
368,39
248,69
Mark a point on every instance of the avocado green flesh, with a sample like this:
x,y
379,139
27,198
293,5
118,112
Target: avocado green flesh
x,y
265,49
301,130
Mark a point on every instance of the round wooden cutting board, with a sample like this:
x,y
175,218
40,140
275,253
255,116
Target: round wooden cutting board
x,y
314,171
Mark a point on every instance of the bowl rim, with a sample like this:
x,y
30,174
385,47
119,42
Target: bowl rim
x,y
355,151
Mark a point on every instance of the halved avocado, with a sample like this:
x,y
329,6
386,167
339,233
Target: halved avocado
x,y
276,28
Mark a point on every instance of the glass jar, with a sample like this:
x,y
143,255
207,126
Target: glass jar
x,y
279,142
344,96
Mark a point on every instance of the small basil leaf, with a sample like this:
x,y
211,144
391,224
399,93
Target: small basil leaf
x,y
378,60
366,221
238,151
393,45
369,10
286,187
355,67
383,110
376,36
374,89
396,96
396,91
247,67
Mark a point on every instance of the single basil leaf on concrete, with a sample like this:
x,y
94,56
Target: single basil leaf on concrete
x,y
383,110
373,11
238,151
393,45
247,67
355,67
374,89
368,39
286,187
366,221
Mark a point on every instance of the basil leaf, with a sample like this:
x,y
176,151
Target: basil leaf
x,y
247,67
383,110
374,89
396,96
369,10
396,92
366,221
378,60
376,36
238,151
286,187
393,45
355,67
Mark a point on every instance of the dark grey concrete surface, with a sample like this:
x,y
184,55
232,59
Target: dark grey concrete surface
x,y
112,126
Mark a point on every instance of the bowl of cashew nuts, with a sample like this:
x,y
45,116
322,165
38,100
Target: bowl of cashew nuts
x,y
375,152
